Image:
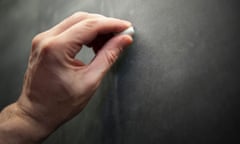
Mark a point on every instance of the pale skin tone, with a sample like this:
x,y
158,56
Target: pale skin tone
x,y
56,85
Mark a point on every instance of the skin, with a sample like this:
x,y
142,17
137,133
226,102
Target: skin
x,y
56,85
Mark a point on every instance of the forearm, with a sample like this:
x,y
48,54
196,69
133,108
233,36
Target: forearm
x,y
17,127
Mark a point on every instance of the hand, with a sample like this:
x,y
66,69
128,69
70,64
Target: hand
x,y
56,85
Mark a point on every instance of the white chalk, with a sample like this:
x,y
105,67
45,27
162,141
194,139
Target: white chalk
x,y
128,31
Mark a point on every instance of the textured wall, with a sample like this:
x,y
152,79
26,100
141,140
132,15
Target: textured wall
x,y
178,82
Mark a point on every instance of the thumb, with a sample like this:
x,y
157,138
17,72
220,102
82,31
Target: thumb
x,y
108,54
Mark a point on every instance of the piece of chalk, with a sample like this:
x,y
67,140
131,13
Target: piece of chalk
x,y
128,31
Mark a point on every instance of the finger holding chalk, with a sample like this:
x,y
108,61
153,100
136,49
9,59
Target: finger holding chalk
x,y
129,31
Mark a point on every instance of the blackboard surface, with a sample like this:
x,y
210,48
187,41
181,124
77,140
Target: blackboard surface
x,y
178,82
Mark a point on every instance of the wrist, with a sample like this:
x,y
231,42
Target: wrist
x,y
16,126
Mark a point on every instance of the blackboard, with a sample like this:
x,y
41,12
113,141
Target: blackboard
x,y
177,83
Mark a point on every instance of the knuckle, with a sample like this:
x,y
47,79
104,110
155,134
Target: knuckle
x,y
90,23
47,46
36,41
98,15
79,14
111,56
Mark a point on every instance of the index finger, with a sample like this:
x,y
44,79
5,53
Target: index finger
x,y
70,21
87,30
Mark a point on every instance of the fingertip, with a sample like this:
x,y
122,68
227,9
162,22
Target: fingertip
x,y
127,23
119,24
126,40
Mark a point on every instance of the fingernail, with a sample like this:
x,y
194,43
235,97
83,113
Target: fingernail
x,y
127,23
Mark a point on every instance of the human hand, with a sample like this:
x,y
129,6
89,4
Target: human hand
x,y
56,85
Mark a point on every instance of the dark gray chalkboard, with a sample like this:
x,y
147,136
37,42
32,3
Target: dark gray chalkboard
x,y
178,83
